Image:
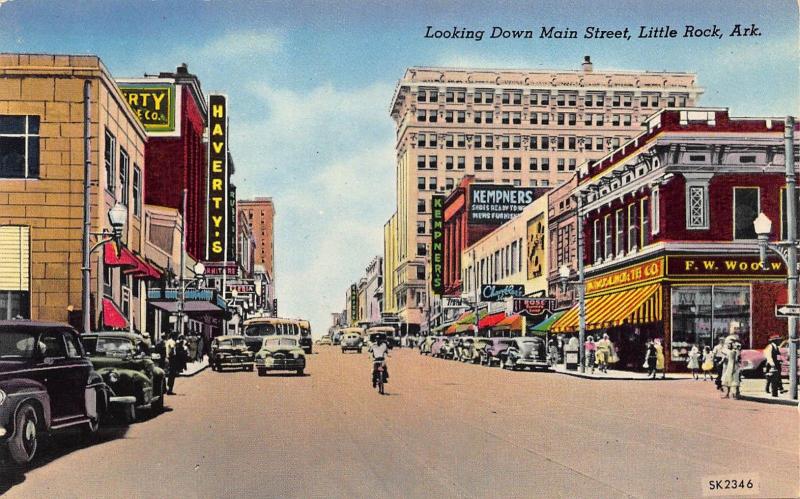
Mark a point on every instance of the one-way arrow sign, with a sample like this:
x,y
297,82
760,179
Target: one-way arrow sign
x,y
787,310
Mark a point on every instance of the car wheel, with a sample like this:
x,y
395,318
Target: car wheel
x,y
129,414
157,406
22,446
299,372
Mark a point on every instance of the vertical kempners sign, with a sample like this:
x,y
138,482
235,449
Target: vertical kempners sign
x,y
437,244
216,223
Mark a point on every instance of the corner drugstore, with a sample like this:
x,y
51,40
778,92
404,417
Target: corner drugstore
x,y
684,299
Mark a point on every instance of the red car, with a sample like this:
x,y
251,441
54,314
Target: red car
x,y
754,362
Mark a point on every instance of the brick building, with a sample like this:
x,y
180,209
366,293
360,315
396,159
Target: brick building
x,y
261,214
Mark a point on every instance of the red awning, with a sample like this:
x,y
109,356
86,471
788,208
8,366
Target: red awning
x,y
112,316
491,320
512,322
143,270
118,256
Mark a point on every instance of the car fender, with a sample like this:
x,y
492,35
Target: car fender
x,y
19,391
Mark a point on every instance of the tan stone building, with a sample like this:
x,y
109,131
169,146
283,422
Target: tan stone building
x,y
41,189
519,127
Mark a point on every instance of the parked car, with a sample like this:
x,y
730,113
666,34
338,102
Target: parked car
x,y
753,363
230,351
47,383
437,345
495,352
448,350
325,340
463,348
280,353
526,352
352,341
478,349
128,369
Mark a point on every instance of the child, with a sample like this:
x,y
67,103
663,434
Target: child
x,y
708,363
693,362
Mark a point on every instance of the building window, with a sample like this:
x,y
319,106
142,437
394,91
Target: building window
x,y
420,161
517,164
420,115
421,140
448,116
420,206
478,163
505,142
533,164
489,163
633,229
489,140
421,249
607,239
124,163
505,118
462,162
545,118
432,162
137,191
746,207
108,280
572,164
449,183
448,141
433,116
14,271
432,183
703,314
448,162
645,214
620,225
506,164
697,207
461,141
560,164
476,141
461,117
545,166
434,97
533,142
516,142
19,146
560,118
421,96
654,211
597,241
449,96
534,118
517,182
421,273
109,156
421,183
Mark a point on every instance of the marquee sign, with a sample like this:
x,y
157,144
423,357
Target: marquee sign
x,y
216,223
437,244
497,204
641,272
498,292
724,266
154,104
533,306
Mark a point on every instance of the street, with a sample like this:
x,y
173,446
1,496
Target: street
x,y
445,429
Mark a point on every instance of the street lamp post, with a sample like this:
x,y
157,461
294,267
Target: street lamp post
x,y
199,272
117,216
786,249
564,273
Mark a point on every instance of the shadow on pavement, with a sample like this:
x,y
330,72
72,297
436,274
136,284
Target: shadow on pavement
x,y
284,375
55,447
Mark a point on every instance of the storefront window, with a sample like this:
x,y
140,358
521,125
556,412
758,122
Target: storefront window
x,y
703,314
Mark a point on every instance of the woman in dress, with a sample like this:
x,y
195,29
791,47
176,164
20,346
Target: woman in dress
x,y
651,359
590,347
660,357
693,361
708,363
603,353
731,374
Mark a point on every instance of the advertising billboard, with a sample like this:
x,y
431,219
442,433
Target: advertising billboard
x,y
437,244
535,234
497,204
155,104
216,223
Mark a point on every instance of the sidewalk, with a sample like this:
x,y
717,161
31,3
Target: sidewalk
x,y
619,375
193,368
753,390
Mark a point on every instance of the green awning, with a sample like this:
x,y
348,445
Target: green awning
x,y
545,325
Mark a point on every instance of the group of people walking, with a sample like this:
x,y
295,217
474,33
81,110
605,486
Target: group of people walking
x,y
600,354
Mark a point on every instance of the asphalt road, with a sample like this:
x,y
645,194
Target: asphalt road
x,y
444,430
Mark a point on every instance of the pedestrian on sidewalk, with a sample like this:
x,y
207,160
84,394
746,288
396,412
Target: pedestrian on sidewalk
x,y
772,367
177,356
719,359
693,361
708,363
650,359
604,348
660,365
590,347
731,376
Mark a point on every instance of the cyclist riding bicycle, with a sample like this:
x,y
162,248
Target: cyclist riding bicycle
x,y
379,350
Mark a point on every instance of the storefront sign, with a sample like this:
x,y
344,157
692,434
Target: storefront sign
x,y
535,246
241,288
497,204
724,266
651,269
217,220
498,292
152,103
533,306
219,268
437,244
353,303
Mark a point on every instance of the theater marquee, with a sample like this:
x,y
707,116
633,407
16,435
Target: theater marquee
x,y
217,220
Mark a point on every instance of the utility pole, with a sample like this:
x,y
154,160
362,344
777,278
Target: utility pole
x,y
87,224
791,249
581,288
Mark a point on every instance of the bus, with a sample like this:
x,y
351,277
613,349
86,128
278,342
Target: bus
x,y
392,338
255,329
305,335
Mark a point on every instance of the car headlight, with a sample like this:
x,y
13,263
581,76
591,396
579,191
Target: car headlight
x,y
113,376
2,397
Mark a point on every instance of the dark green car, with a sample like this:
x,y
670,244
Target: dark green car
x,y
124,362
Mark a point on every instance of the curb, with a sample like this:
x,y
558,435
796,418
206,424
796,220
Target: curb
x,y
194,373
764,400
582,376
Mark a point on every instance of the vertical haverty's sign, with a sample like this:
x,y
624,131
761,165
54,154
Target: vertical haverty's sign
x,y
437,244
353,304
217,178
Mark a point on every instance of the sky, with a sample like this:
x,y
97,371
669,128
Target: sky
x,y
310,85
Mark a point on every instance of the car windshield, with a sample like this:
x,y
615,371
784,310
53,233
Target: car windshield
x,y
527,346
280,342
259,330
110,347
17,346
232,342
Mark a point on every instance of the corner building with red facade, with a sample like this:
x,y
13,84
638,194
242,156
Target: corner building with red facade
x,y
670,249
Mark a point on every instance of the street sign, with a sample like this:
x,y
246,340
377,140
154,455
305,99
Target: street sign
x,y
787,310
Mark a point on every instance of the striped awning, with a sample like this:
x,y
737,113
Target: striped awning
x,y
512,322
633,306
546,324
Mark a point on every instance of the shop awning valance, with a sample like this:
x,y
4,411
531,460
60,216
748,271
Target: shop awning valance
x,y
144,270
112,316
546,324
118,256
634,306
512,322
491,320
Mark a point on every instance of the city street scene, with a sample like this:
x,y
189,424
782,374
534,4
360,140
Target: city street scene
x,y
399,249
